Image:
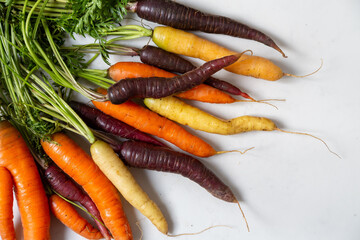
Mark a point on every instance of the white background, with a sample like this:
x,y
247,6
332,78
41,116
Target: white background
x,y
290,186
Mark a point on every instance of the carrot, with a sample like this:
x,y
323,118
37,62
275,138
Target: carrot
x,y
174,63
122,179
99,120
205,93
67,214
78,165
184,43
143,155
7,230
63,184
160,87
173,14
179,111
150,122
33,205
202,92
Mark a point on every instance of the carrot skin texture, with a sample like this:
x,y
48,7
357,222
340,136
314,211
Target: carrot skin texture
x,y
99,120
188,44
178,16
143,155
120,176
32,201
195,118
157,87
67,214
75,162
7,230
150,122
64,185
174,63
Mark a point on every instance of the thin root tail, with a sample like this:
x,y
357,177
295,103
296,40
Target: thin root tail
x,y
310,135
238,151
197,233
243,214
292,75
263,101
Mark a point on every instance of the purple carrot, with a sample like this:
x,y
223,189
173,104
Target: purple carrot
x,y
144,155
64,185
174,63
147,156
157,87
99,120
179,16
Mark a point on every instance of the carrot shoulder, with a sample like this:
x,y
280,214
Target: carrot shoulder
x,y
7,231
67,214
74,161
30,195
150,122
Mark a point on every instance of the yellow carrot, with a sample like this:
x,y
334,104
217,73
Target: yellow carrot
x,y
183,113
179,111
185,43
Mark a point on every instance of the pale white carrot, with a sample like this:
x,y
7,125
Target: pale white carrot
x,y
116,171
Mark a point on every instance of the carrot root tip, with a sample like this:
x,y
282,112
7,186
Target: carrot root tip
x,y
279,50
241,152
243,214
303,76
310,135
197,233
264,101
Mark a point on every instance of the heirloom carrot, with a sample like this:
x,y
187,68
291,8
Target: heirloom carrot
x,y
78,165
165,60
157,87
32,201
202,92
63,185
174,63
67,214
115,170
183,113
99,120
7,230
150,122
185,43
173,14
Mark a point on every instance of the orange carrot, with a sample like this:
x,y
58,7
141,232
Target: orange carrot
x,y
202,92
205,93
67,214
7,231
150,122
74,161
32,201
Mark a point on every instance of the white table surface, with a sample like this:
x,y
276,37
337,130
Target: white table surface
x,y
290,186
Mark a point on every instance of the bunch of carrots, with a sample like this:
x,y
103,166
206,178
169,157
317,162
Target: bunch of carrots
x,y
38,75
